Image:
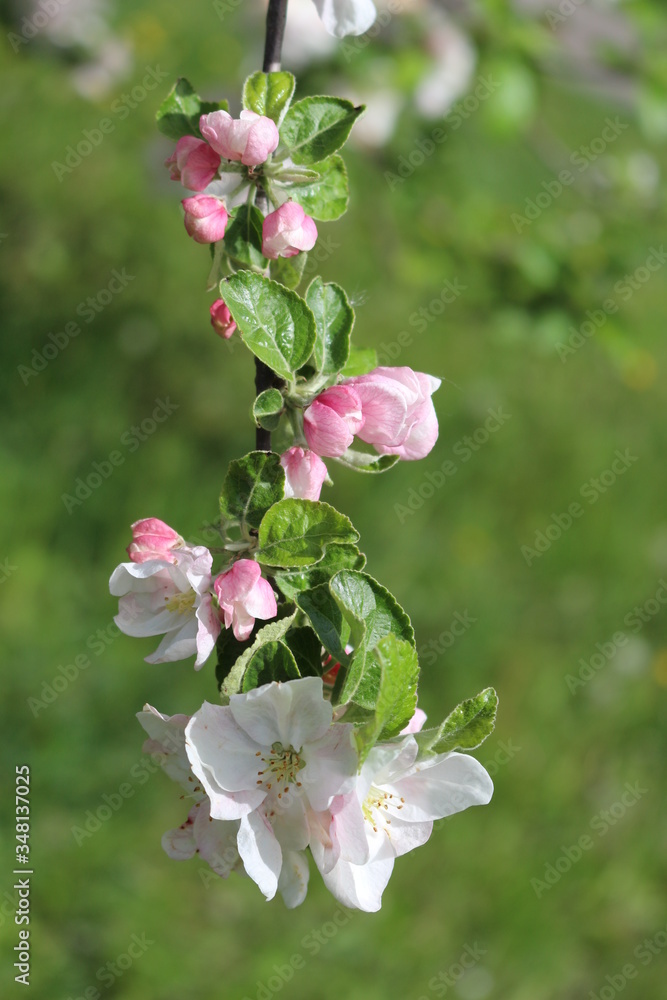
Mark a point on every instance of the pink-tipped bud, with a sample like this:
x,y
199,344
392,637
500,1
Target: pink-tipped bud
x,y
398,413
332,420
287,231
153,539
250,138
221,319
305,473
205,218
244,595
193,163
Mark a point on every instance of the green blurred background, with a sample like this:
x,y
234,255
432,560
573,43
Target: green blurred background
x,y
447,545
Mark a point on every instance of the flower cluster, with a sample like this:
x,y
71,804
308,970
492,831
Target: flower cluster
x,y
271,776
167,589
316,747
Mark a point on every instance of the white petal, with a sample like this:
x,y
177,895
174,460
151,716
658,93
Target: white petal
x,y
168,738
359,886
176,645
350,829
323,845
216,841
440,787
293,713
293,881
331,766
260,852
346,17
223,758
287,817
180,844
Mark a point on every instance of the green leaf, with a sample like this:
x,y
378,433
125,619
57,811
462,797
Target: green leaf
x,y
306,649
396,695
372,613
327,620
243,238
252,485
274,322
272,662
269,94
288,271
316,127
324,197
361,361
334,319
228,649
465,728
296,533
363,461
294,581
267,409
179,113
232,683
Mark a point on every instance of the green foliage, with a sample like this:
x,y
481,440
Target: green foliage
x,y
267,408
252,485
363,461
269,94
243,238
393,689
289,270
371,613
273,632
296,533
273,661
324,194
334,319
316,127
274,322
179,113
294,581
465,728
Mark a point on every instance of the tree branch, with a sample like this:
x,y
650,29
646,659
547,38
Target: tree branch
x,y
275,30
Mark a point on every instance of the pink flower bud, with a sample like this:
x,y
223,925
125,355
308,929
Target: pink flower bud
x,y
243,595
287,231
305,473
205,218
221,319
193,163
398,413
250,138
332,420
153,539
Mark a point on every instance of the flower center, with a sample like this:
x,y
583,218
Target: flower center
x,y
181,603
281,767
375,807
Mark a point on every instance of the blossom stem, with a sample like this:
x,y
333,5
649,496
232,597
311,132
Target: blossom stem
x,y
275,30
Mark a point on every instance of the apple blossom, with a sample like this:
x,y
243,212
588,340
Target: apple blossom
x,y
398,414
170,598
305,473
153,539
205,218
390,812
332,420
250,138
244,595
193,162
266,759
287,231
221,319
346,17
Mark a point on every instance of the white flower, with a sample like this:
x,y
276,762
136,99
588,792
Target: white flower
x,y
346,17
266,759
215,842
172,598
390,812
